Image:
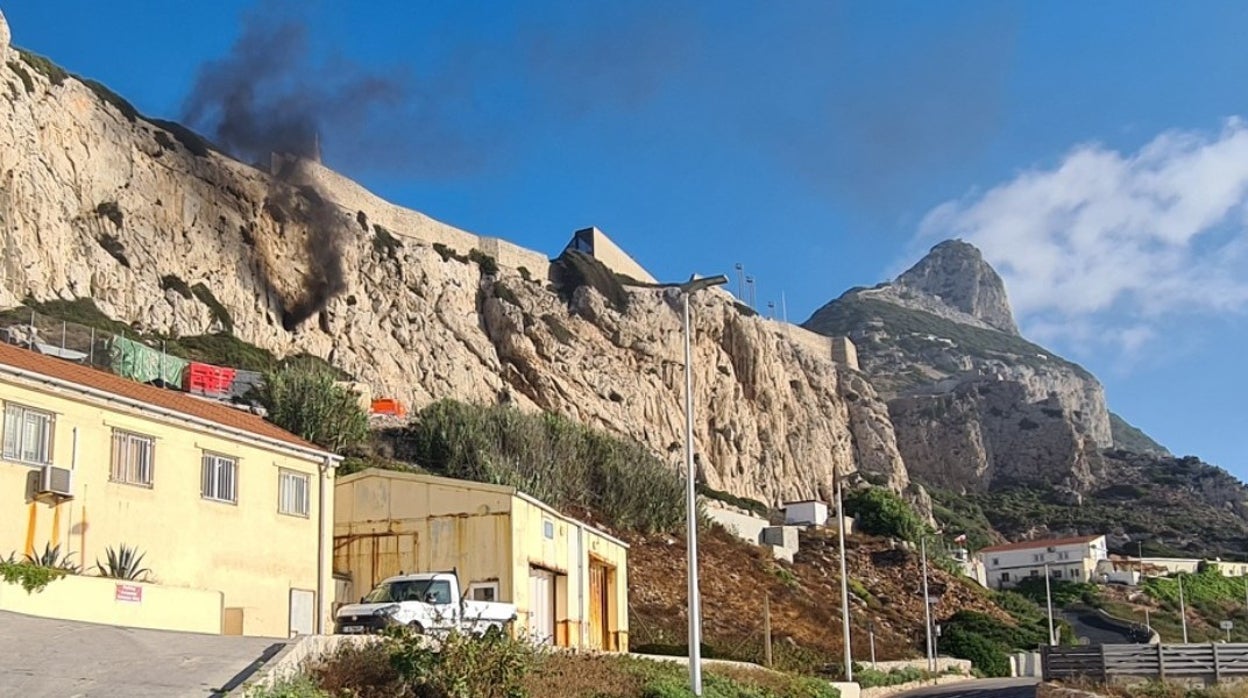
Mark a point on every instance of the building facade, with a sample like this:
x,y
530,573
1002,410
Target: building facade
x,y
569,581
1071,559
215,498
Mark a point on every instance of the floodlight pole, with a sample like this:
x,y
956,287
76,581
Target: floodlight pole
x,y
687,289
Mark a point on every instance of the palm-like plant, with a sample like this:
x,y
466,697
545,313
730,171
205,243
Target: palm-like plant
x,y
123,562
51,558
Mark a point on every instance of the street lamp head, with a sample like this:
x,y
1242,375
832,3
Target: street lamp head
x,y
695,284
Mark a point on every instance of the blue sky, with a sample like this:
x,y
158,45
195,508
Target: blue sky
x,y
1091,149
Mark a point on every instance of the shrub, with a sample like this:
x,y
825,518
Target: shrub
x,y
446,253
111,211
215,309
171,282
525,273
882,512
487,264
492,665
24,76
1063,592
987,656
565,464
112,245
193,142
53,72
297,687
575,269
223,349
52,558
28,575
559,330
123,563
305,401
109,97
751,505
364,671
384,243
868,678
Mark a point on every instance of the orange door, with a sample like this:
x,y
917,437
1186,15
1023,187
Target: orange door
x,y
598,607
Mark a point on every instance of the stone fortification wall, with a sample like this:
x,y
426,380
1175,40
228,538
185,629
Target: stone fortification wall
x,y
515,256
406,223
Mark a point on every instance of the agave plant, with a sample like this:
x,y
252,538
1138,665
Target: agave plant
x,y
51,558
123,563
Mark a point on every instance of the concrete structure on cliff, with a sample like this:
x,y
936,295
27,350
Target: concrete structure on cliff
x,y
595,243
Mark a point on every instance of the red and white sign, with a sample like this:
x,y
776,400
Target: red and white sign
x,y
131,593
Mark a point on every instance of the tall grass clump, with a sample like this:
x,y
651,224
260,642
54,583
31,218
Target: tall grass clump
x,y
562,463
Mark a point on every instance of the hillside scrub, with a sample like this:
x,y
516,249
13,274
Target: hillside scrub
x,y
497,666
881,512
303,399
1209,586
565,464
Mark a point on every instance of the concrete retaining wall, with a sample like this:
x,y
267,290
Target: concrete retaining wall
x,y
119,602
881,691
943,664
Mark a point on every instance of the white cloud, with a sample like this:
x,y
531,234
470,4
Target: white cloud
x,y
1107,244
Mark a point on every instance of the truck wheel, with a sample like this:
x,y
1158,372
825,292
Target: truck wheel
x,y
416,627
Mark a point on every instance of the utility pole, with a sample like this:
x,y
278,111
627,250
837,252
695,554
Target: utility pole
x,y
767,629
1048,595
927,606
840,528
1182,609
740,282
749,291
871,634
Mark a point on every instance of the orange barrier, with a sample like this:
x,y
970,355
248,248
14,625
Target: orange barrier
x,y
388,406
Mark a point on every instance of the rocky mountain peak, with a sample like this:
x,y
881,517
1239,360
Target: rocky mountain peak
x,y
955,272
4,34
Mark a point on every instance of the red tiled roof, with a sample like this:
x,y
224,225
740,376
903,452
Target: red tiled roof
x,y
1043,543
173,400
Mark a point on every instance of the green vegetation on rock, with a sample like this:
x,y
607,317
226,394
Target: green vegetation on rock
x,y
565,464
916,331
882,512
1131,438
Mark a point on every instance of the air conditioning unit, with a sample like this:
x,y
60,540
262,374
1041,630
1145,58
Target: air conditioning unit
x,y
58,481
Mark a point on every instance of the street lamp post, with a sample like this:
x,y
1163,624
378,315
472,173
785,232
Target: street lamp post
x,y
687,289
840,529
1048,597
927,606
1182,609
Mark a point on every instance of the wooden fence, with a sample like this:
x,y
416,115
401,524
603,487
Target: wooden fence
x,y
1212,662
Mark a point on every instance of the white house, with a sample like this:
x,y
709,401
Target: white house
x,y
1073,559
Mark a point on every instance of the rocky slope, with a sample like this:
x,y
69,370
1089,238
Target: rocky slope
x,y
974,404
1015,441
97,201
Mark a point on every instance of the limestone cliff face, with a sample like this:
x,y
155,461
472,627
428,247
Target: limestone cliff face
x,y
973,404
94,203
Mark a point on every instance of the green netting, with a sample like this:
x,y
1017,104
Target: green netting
x,y
144,364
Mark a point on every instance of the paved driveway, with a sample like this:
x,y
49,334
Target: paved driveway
x,y
45,657
984,688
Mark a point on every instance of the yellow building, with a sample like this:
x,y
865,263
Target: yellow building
x,y
216,498
569,581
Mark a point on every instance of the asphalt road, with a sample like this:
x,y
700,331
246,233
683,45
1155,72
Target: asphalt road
x,y
66,659
984,688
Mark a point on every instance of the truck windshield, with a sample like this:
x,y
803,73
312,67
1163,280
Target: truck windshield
x,y
435,591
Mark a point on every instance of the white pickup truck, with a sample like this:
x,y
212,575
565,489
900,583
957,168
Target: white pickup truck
x,y
427,603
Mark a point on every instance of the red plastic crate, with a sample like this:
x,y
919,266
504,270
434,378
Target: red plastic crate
x,y
207,379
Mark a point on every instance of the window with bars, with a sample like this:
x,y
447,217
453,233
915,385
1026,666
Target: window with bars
x,y
293,496
27,435
133,456
219,479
